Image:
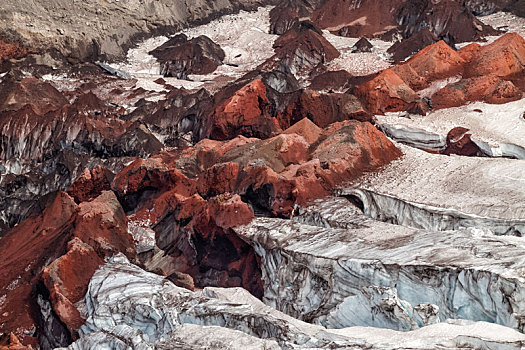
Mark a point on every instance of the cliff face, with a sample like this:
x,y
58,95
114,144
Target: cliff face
x,y
90,30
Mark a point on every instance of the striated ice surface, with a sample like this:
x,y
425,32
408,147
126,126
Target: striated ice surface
x,y
376,274
440,192
129,308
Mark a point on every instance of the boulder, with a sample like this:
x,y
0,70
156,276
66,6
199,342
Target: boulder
x,y
180,57
245,113
405,48
459,142
362,45
302,48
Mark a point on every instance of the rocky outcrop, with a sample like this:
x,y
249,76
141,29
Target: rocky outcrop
x,y
193,199
504,57
362,45
180,57
46,142
301,49
62,247
491,89
45,25
387,92
286,14
434,62
90,184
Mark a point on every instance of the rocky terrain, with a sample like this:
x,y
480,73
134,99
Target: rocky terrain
x,y
262,174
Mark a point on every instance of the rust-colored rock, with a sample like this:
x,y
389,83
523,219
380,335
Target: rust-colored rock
x,y
387,92
24,252
9,51
305,128
434,62
67,279
42,97
11,342
491,89
246,113
467,52
324,109
90,184
504,57
331,80
103,225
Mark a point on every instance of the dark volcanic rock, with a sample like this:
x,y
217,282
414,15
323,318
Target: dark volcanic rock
x,y
447,20
302,48
362,45
180,57
288,13
407,47
459,142
331,80
371,18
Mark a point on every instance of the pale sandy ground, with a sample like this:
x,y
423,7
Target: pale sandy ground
x,y
358,63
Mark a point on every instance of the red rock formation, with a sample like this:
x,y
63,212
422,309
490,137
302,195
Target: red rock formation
x,y
434,62
331,80
24,252
356,19
305,128
467,52
111,234
324,109
246,113
491,89
90,184
504,57
9,51
387,92
67,279
42,97
85,233
234,179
